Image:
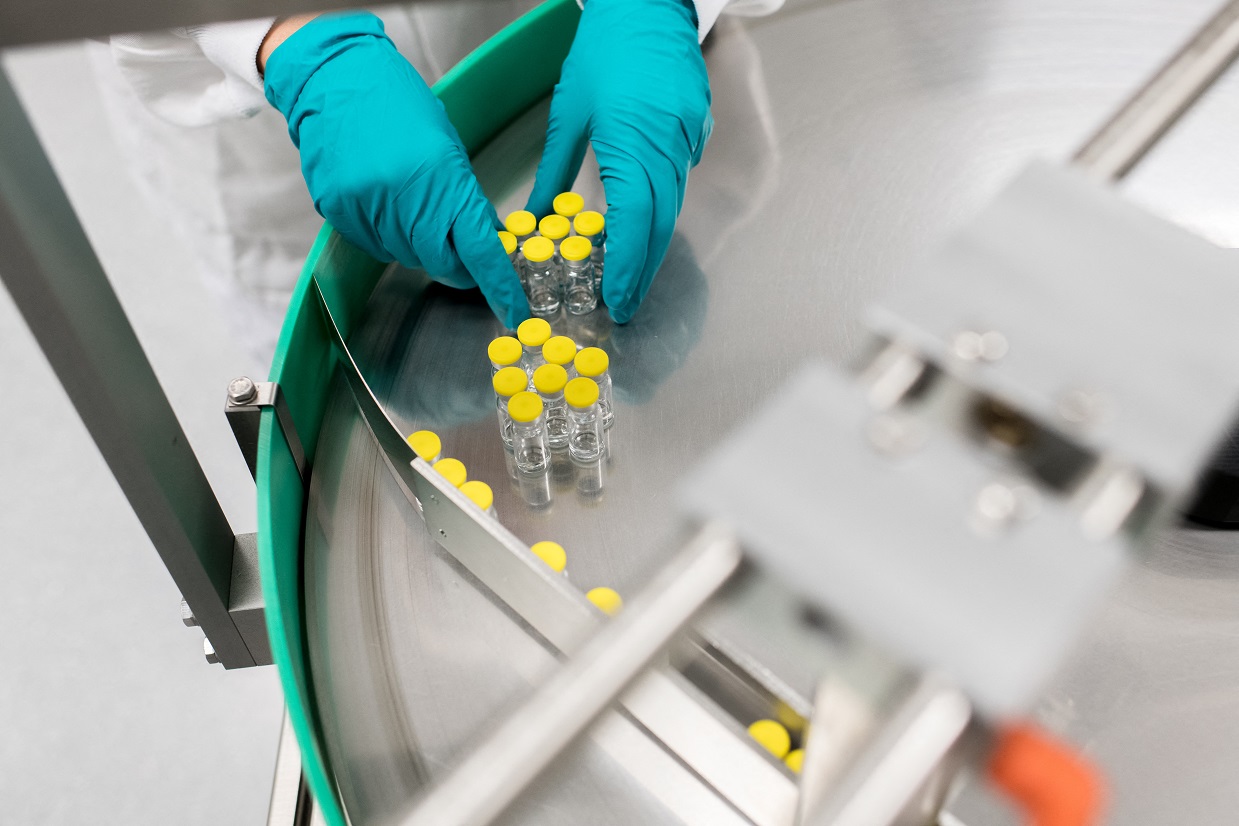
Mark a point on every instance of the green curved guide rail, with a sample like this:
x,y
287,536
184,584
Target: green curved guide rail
x,y
484,93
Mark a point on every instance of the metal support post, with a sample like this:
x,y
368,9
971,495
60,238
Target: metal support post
x,y
243,406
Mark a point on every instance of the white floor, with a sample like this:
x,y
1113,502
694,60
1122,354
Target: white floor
x,y
108,711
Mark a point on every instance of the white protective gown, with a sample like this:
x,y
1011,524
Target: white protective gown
x,y
209,152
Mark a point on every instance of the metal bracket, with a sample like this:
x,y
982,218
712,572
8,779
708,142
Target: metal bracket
x,y
244,405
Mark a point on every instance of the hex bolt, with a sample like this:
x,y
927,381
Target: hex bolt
x,y
969,345
242,390
208,651
187,615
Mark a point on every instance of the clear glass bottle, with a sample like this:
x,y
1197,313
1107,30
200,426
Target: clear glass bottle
x,y
580,290
514,253
533,457
532,334
561,350
522,224
481,495
426,445
553,554
556,228
507,383
592,363
568,204
592,225
504,351
541,276
585,434
549,381
453,470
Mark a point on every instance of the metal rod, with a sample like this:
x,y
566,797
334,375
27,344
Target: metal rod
x,y
494,775
1119,145
51,271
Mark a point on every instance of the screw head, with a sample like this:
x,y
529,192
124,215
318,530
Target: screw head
x,y
208,651
242,390
187,615
969,345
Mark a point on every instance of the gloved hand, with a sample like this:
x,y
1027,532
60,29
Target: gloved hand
x,y
382,162
634,86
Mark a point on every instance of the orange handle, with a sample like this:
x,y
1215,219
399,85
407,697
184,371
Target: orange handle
x,y
1045,777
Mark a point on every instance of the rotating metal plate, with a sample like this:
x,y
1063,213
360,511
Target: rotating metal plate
x,y
850,137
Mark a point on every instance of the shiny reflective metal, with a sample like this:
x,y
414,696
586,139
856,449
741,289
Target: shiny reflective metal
x,y
187,615
241,390
291,803
208,651
243,405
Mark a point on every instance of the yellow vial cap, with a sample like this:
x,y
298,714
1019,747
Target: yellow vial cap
x,y
525,406
552,553
453,470
581,393
538,249
504,351
559,350
568,204
589,223
480,493
606,599
576,248
425,444
508,240
554,227
509,381
534,332
772,736
794,760
521,222
592,362
550,378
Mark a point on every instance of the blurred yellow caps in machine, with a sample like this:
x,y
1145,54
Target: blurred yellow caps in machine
x,y
772,737
509,241
538,249
521,222
552,553
592,362
576,248
588,222
568,204
453,470
554,227
534,332
581,392
504,350
425,444
794,760
550,378
525,406
559,350
479,492
606,600
509,381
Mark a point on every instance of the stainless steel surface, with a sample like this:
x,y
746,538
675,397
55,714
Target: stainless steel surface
x,y
243,406
1157,106
57,282
241,390
187,615
208,651
850,138
291,803
246,604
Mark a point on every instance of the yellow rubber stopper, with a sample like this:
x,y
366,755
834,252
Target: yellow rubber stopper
x,y
592,362
504,351
576,248
772,736
554,227
534,332
453,470
508,240
509,381
426,444
568,204
606,599
479,492
550,378
538,249
525,407
581,392
552,553
794,760
559,350
589,223
521,222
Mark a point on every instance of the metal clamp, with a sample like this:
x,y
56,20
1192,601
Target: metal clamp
x,y
244,405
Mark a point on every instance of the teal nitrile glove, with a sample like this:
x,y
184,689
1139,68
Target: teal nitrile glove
x,y
382,162
634,86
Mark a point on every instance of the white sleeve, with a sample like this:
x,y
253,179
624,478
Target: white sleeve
x,y
198,75
709,10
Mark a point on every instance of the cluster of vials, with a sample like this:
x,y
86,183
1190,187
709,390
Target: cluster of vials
x,y
560,258
429,447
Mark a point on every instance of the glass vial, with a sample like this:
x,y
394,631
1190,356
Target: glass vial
x,y
561,350
553,554
585,435
568,204
592,225
453,470
541,276
481,495
521,224
533,457
532,334
580,290
507,383
514,254
426,444
549,380
504,351
592,363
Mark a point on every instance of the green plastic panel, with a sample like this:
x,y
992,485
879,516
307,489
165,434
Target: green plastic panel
x,y
483,94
